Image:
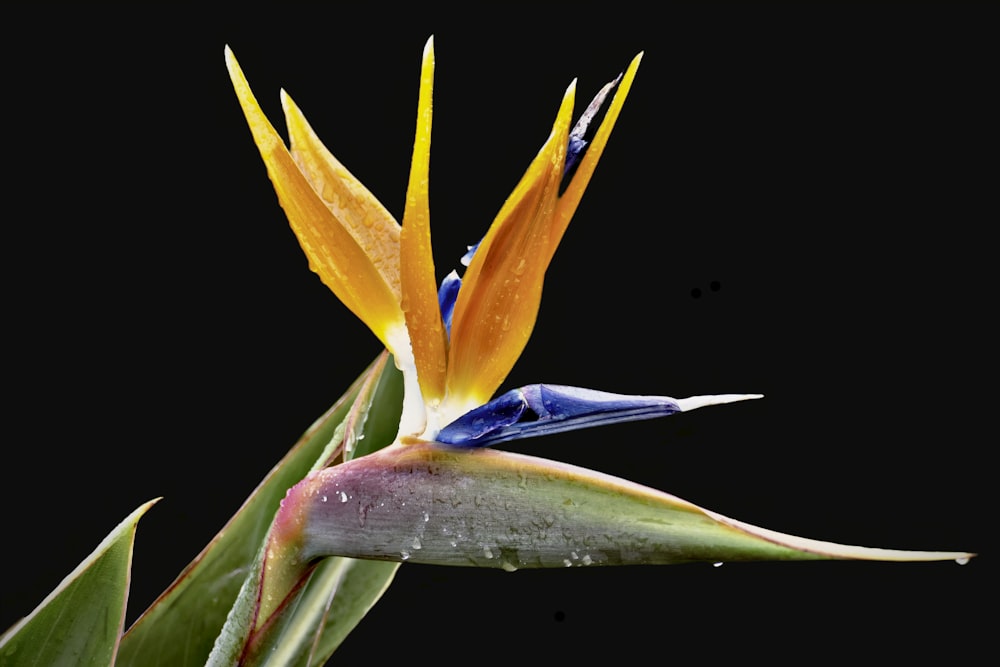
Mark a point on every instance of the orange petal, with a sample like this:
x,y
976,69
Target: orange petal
x,y
419,290
502,289
574,191
333,253
357,209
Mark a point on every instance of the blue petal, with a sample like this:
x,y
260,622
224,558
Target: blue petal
x,y
447,295
578,135
469,252
541,409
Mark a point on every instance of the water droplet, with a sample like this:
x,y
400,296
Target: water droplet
x,y
508,566
324,499
964,560
573,555
329,193
343,497
567,562
717,564
487,551
405,555
427,517
587,560
416,542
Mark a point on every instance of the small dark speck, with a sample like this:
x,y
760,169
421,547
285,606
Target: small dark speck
x,y
715,286
696,293
560,616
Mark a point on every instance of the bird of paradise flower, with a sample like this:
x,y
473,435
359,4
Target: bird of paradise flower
x,y
438,494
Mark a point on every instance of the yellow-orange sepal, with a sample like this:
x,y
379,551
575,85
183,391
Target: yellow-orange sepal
x,y
570,197
341,262
419,292
502,289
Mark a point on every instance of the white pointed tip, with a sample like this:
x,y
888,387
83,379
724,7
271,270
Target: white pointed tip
x,y
695,402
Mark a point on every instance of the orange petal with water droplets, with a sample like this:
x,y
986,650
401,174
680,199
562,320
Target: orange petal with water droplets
x,y
419,291
351,203
502,289
581,178
333,253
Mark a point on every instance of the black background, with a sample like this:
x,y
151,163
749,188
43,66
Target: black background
x,y
823,179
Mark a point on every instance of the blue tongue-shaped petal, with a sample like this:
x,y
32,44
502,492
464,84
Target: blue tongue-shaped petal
x,y
541,409
447,296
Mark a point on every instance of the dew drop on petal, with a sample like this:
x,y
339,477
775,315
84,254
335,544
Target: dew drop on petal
x,y
324,499
404,555
343,497
416,542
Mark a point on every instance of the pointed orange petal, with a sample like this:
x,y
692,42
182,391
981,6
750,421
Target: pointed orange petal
x,y
501,291
357,209
574,191
333,253
419,290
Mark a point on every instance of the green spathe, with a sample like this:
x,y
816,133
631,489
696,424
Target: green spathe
x,y
426,503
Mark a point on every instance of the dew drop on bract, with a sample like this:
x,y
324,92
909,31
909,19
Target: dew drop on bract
x,y
964,560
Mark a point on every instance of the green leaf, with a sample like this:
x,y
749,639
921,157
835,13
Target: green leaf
x,y
80,622
308,630
181,626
